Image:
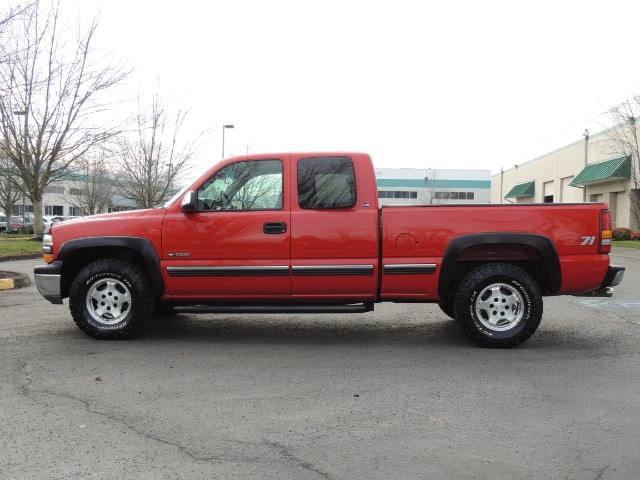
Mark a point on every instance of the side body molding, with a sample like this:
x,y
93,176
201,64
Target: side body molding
x,y
542,244
141,246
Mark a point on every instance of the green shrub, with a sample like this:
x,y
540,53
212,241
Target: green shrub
x,y
621,234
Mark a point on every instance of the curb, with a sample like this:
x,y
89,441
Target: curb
x,y
28,256
13,280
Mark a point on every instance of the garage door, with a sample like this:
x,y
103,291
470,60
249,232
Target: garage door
x,y
621,213
547,189
570,194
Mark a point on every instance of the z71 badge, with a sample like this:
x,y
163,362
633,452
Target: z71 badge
x,y
587,240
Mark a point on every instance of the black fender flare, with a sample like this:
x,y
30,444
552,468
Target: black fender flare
x,y
541,243
141,246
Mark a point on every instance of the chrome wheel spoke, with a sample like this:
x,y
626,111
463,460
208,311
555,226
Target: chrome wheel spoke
x,y
105,300
499,307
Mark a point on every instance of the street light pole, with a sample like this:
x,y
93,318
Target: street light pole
x,y
224,127
586,160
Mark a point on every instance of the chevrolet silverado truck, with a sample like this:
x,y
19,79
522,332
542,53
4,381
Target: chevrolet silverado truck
x,y
303,233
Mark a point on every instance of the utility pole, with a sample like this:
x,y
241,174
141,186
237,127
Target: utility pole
x,y
224,127
586,157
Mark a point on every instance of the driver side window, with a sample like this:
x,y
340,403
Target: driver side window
x,y
251,185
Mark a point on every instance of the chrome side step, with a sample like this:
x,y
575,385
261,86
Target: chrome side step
x,y
351,308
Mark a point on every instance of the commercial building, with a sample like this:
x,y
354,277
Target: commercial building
x,y
64,198
417,186
588,170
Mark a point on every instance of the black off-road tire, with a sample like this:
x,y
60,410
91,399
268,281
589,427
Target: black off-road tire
x,y
447,308
516,278
142,300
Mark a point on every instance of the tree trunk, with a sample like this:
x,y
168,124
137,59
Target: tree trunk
x,y
37,217
8,212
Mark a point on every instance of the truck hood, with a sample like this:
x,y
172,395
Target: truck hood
x,y
110,216
133,223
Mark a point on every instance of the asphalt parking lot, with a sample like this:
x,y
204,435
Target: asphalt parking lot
x,y
396,394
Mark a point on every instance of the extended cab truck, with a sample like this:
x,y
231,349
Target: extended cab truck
x,y
302,232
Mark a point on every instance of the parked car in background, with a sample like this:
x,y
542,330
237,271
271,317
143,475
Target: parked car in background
x,y
48,220
3,224
17,225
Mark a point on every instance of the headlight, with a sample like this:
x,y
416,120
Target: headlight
x,y
47,248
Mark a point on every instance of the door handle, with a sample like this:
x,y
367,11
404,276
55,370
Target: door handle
x,y
274,227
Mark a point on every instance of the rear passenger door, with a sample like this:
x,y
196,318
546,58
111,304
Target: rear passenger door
x,y
334,236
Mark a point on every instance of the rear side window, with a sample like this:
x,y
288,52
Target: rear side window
x,y
326,182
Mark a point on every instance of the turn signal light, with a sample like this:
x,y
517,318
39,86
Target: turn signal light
x,y
606,233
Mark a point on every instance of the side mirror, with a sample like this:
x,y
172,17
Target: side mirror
x,y
189,201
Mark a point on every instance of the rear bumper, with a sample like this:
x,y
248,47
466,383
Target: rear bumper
x,y
613,277
48,278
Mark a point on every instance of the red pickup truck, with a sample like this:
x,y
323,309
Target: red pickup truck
x,y
302,232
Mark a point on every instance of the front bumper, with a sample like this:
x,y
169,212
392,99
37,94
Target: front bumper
x,y
48,280
611,279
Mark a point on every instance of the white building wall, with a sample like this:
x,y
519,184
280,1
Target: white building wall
x,y
434,186
554,171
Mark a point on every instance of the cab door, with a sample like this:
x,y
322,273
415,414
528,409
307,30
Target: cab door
x,y
334,227
238,242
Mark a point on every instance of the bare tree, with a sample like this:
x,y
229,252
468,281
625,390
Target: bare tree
x,y
11,15
50,87
150,162
431,183
92,192
10,190
623,139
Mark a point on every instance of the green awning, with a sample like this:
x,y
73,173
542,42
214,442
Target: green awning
x,y
602,172
522,190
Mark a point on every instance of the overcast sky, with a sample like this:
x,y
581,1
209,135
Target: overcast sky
x,y
455,84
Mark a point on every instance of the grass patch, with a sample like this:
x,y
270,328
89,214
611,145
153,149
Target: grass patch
x,y
626,243
19,247
14,236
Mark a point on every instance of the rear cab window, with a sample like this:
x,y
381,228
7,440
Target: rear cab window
x,y
326,183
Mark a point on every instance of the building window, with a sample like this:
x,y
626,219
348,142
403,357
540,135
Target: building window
x,y
55,210
55,189
17,210
454,195
119,209
76,191
326,183
397,194
548,199
76,212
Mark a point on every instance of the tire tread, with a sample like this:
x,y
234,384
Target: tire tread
x,y
137,277
481,273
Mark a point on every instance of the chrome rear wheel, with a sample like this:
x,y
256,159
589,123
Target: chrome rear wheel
x,y
499,307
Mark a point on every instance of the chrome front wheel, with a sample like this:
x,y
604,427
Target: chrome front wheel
x,y
108,301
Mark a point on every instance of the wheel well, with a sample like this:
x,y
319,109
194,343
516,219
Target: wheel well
x,y
78,259
527,257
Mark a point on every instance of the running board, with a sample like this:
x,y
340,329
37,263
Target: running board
x,y
351,308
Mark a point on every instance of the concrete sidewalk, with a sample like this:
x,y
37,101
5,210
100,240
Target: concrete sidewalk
x,y
628,253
